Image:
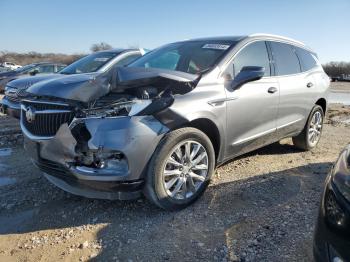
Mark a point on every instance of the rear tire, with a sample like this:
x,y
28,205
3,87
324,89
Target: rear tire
x,y
180,169
311,134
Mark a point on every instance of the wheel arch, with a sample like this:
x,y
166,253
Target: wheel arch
x,y
322,103
209,128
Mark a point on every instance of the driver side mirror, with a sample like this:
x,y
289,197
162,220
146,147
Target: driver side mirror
x,y
247,74
34,72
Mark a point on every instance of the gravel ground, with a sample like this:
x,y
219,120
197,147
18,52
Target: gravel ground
x,y
259,207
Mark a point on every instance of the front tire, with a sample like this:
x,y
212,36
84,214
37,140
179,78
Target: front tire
x,y
180,169
311,134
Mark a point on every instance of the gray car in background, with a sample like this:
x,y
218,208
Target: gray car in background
x,y
29,70
95,63
161,125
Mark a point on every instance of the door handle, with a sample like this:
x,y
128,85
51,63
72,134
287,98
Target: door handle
x,y
309,85
272,90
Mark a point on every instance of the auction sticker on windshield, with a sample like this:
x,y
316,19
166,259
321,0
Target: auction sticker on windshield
x,y
101,59
216,46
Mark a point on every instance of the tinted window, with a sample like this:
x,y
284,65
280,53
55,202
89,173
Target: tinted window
x,y
190,56
286,61
127,60
306,59
254,54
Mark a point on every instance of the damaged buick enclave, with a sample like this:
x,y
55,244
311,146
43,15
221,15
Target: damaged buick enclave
x,y
161,125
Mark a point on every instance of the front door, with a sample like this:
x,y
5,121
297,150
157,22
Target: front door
x,y
252,109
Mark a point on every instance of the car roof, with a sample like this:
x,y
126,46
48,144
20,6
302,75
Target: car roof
x,y
118,50
278,38
262,36
47,63
218,38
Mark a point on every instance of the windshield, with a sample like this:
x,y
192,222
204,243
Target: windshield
x,y
25,68
193,57
90,63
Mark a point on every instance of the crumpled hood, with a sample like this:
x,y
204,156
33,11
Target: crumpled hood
x,y
176,81
79,87
88,87
27,81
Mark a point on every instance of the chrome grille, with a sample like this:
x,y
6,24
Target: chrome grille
x,y
45,118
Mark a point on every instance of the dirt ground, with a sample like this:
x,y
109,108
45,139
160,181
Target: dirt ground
x,y
340,86
260,207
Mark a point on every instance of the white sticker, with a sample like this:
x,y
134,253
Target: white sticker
x,y
101,59
216,46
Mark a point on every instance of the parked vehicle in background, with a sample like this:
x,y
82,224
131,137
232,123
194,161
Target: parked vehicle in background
x,y
92,64
4,69
11,66
29,70
161,125
332,233
342,77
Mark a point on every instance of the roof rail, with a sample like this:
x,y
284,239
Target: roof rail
x,y
278,36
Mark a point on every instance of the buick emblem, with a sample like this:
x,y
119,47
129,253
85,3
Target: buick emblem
x,y
30,114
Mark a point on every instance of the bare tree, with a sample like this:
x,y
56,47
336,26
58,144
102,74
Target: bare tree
x,y
32,57
334,69
100,46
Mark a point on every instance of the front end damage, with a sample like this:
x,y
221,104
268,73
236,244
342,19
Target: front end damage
x,y
100,146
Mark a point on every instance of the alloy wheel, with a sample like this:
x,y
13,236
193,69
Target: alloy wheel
x,y
185,169
315,128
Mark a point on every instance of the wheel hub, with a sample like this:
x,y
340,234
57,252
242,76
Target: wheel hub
x,y
185,170
315,128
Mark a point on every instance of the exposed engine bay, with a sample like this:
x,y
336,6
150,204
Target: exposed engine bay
x,y
118,92
83,115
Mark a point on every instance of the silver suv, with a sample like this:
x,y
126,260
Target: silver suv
x,y
161,125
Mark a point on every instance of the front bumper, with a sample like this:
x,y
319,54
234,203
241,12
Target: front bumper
x,y
135,138
331,241
10,108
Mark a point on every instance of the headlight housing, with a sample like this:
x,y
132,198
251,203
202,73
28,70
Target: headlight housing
x,y
9,90
341,174
127,108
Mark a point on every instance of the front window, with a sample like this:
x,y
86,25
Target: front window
x,y
193,57
255,54
90,63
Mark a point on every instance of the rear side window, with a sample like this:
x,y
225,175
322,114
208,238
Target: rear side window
x,y
254,54
307,60
286,61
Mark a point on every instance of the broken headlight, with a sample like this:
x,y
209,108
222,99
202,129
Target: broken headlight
x,y
125,108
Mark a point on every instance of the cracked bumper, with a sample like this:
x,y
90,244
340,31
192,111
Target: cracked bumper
x,y
136,138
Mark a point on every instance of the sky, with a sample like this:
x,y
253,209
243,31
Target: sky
x,y
68,26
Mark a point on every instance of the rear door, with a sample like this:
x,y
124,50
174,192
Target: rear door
x,y
313,76
251,109
293,106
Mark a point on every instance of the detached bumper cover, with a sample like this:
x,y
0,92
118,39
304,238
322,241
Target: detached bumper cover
x,y
136,138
